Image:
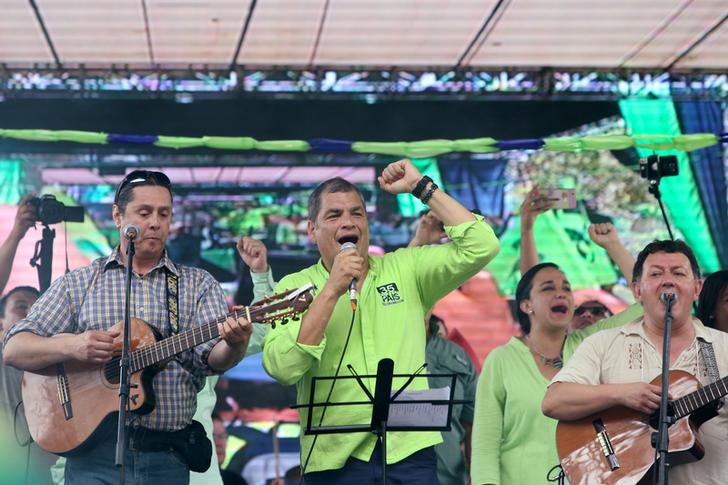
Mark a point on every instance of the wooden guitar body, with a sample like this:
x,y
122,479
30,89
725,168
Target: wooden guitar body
x,y
91,395
69,405
584,458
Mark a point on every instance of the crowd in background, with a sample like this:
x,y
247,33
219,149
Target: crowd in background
x,y
491,435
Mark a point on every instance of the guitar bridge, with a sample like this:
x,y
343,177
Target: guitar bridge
x,y
606,444
64,395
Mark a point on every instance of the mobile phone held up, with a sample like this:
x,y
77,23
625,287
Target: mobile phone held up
x,y
562,198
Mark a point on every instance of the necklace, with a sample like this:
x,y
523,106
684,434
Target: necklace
x,y
557,361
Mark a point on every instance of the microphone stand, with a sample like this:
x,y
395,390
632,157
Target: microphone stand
x,y
121,435
654,189
661,438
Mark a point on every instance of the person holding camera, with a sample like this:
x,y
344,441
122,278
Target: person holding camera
x,y
72,321
24,220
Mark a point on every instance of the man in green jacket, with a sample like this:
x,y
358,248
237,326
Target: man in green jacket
x,y
379,317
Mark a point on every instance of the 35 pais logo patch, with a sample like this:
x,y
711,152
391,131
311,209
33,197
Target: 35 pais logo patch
x,y
389,294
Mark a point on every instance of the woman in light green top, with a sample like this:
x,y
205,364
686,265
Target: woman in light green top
x,y
513,442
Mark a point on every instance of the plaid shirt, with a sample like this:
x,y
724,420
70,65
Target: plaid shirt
x,y
92,298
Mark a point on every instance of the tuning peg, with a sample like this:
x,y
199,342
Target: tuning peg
x,y
284,321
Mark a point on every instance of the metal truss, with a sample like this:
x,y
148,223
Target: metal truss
x,y
185,85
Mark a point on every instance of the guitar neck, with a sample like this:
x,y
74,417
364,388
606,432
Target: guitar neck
x,y
276,308
697,399
169,347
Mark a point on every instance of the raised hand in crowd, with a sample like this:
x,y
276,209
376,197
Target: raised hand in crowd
x,y
605,235
24,220
253,253
402,177
429,230
534,204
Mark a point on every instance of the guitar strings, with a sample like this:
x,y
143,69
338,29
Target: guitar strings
x,y
151,353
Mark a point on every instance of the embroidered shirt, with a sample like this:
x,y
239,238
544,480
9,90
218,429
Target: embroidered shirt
x,y
625,355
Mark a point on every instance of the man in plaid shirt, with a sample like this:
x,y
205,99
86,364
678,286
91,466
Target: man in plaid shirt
x,y
84,304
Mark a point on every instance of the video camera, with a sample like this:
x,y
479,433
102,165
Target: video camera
x,y
655,167
49,211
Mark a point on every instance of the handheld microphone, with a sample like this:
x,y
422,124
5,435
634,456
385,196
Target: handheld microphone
x,y
668,296
131,231
352,286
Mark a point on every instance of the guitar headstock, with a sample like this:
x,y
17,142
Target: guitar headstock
x,y
282,307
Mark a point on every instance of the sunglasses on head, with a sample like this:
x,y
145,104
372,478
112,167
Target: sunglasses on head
x,y
139,176
594,310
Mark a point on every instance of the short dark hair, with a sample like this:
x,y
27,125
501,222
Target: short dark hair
x,y
17,289
330,186
523,292
665,246
713,286
137,178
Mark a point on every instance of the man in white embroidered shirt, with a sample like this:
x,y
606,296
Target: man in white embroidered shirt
x,y
615,367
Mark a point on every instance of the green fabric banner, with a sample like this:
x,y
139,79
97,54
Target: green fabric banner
x,y
410,149
11,181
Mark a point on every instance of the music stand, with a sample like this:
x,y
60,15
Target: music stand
x,y
381,403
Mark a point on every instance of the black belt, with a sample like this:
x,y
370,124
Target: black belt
x,y
145,439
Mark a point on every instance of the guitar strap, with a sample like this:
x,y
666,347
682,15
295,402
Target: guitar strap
x,y
711,365
172,300
706,350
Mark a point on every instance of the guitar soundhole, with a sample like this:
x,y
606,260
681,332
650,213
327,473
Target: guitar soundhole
x,y
111,370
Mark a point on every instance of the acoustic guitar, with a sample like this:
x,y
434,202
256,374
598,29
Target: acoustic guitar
x,y
615,447
65,404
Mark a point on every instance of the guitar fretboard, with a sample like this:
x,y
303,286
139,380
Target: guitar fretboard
x,y
697,399
164,349
276,308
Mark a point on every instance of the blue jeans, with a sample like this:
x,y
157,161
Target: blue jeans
x,y
141,467
419,468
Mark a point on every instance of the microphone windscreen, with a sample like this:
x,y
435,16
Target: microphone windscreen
x,y
347,245
666,296
130,231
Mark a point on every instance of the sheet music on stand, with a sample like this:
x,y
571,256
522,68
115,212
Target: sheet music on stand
x,y
409,410
400,410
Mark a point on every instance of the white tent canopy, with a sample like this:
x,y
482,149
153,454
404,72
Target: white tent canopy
x,y
661,34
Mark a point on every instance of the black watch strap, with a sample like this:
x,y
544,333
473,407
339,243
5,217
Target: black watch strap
x,y
420,187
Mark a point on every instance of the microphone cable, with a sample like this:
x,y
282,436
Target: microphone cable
x,y
328,397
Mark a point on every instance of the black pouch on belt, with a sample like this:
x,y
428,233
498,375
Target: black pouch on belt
x,y
190,443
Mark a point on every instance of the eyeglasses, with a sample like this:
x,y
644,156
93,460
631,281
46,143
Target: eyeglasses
x,y
596,311
138,176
